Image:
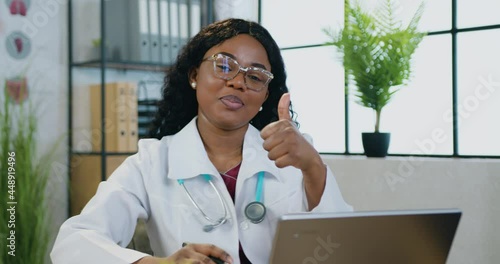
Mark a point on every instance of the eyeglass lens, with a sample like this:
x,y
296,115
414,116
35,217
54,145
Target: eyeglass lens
x,y
227,68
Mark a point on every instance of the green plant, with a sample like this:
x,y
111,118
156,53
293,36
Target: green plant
x,y
96,42
23,187
377,52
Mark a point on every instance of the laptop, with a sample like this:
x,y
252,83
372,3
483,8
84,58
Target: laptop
x,y
412,236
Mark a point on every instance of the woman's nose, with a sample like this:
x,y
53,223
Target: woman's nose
x,y
238,82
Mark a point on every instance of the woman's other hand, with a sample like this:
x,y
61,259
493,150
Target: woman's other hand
x,y
191,253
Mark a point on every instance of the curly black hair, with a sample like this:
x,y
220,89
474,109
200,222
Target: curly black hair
x,y
179,105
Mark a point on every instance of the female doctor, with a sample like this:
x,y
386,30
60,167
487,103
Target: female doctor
x,y
228,160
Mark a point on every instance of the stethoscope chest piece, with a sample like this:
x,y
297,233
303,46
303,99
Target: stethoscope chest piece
x,y
255,212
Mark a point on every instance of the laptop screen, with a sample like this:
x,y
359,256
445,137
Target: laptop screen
x,y
415,236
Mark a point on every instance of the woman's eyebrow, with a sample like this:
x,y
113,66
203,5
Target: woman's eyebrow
x,y
228,54
258,65
255,64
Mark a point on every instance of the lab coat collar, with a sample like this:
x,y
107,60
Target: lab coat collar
x,y
187,157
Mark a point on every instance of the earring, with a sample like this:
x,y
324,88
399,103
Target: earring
x,y
260,109
193,84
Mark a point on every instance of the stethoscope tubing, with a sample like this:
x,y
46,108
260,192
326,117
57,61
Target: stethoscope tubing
x,y
208,179
260,183
215,223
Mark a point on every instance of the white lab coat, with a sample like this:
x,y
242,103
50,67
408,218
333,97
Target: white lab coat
x,y
145,186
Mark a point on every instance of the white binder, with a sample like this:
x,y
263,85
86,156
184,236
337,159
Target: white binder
x,y
174,28
154,31
183,23
165,45
138,31
195,17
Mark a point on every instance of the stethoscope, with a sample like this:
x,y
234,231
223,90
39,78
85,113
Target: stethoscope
x,y
254,211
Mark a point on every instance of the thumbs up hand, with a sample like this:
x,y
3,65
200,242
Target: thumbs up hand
x,y
285,144
287,147
284,107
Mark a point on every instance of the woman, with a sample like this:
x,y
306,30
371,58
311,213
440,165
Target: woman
x,y
225,145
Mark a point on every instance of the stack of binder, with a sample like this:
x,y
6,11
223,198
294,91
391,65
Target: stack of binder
x,y
150,31
121,119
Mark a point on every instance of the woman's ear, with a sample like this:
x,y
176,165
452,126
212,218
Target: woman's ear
x,y
193,73
265,99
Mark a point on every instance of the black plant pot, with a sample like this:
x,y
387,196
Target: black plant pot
x,y
376,144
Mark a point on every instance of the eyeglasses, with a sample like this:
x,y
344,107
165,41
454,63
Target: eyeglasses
x,y
225,67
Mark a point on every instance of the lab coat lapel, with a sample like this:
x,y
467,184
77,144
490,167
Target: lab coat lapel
x,y
187,157
255,157
255,160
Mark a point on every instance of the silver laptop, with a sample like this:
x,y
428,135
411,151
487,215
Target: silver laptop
x,y
413,236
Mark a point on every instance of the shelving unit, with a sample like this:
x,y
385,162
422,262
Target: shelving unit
x,y
123,65
91,20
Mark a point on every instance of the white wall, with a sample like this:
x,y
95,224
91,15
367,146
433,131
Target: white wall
x,y
472,185
45,68
244,9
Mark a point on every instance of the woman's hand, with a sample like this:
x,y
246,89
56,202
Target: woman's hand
x,y
286,146
191,253
285,143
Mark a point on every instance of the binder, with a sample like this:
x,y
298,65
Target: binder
x,y
174,28
183,23
115,117
195,17
144,49
121,132
132,118
154,32
166,56
95,116
138,48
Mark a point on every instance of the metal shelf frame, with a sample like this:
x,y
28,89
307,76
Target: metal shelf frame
x,y
207,16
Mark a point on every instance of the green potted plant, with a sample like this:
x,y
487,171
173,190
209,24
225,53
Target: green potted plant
x,y
26,227
95,52
377,52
